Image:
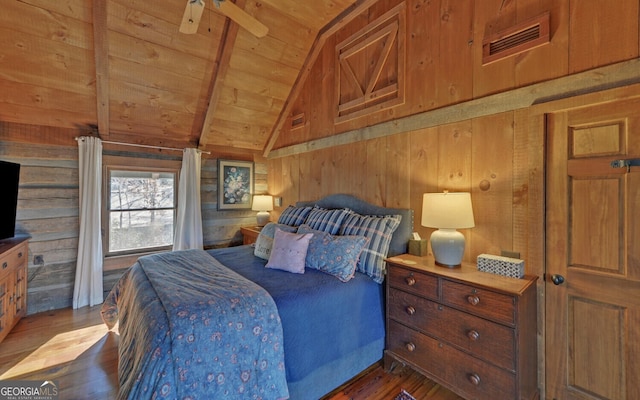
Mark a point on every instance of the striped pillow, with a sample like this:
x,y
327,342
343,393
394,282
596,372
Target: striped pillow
x,y
325,220
294,216
379,230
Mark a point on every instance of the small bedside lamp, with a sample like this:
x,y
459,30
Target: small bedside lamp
x,y
263,204
447,212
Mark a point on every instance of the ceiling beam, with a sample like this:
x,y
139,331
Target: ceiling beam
x,y
101,56
221,67
338,23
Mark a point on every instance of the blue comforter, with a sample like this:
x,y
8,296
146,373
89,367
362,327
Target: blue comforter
x,y
191,328
332,330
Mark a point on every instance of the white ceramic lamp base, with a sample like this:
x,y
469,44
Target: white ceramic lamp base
x,y
448,247
262,218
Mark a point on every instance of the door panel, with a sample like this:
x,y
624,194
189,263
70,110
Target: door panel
x,y
595,225
593,241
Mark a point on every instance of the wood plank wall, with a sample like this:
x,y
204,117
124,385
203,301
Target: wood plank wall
x,y
444,55
395,171
48,212
495,156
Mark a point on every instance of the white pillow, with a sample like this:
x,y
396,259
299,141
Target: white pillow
x,y
264,242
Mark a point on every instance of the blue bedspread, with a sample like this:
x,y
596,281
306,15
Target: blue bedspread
x,y
196,330
332,330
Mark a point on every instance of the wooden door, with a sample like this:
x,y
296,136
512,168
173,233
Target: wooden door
x,y
593,253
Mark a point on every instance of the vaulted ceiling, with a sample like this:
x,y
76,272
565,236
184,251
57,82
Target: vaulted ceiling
x,y
122,67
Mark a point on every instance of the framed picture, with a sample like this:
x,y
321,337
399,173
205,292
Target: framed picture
x,y
235,185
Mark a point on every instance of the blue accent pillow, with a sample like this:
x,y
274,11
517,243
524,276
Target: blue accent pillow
x,y
379,230
325,220
334,255
264,242
294,216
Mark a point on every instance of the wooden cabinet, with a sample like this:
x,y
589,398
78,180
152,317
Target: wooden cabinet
x,y
473,332
13,282
250,234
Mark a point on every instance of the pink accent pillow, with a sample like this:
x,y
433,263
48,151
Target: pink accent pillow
x,y
289,251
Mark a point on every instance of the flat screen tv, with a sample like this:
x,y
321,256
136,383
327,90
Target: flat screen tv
x,y
10,178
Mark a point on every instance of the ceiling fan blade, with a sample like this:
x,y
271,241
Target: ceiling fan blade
x,y
239,16
191,18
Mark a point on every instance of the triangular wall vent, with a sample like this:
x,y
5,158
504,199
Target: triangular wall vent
x,y
516,39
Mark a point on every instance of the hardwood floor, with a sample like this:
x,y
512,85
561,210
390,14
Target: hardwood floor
x,y
75,348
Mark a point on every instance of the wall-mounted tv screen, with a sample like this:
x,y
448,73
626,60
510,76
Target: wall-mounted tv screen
x,y
10,179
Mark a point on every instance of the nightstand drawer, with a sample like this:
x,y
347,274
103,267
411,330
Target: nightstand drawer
x,y
487,340
485,303
415,282
471,377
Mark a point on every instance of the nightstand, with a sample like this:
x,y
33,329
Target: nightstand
x,y
471,331
250,234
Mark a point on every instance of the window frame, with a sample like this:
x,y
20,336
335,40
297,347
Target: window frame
x,y
123,259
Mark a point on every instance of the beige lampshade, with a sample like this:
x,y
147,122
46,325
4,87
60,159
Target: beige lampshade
x,y
447,210
262,202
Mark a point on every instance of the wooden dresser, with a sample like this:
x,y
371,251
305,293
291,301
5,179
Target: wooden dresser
x,y
14,253
473,332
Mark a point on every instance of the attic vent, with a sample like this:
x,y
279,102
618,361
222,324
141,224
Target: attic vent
x,y
516,39
297,121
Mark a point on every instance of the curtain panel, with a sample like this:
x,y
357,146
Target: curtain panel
x,y
88,284
188,231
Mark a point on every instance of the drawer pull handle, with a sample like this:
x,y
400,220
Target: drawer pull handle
x,y
410,280
5,265
20,255
474,378
473,335
411,347
473,300
411,310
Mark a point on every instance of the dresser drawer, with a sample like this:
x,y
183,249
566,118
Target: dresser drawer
x,y
12,259
484,339
420,350
472,378
485,303
475,379
413,281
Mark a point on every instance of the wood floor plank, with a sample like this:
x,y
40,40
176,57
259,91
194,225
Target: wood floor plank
x,y
74,348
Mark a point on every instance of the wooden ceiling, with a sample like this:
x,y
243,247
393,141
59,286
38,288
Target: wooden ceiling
x,y
123,68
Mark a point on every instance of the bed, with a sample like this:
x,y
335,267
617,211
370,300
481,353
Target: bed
x,y
242,322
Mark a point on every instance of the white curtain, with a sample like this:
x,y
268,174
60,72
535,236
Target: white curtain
x,y
88,286
188,233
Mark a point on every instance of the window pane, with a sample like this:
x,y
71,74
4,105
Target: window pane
x,y
129,230
141,190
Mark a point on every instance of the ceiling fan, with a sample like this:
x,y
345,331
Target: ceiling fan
x,y
194,9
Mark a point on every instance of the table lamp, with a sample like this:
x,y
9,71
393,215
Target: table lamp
x,y
263,204
447,211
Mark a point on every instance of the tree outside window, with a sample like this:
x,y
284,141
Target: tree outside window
x,y
141,210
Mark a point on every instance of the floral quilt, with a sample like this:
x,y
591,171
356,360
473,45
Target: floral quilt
x,y
190,328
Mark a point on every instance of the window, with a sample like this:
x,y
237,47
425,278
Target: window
x,y
140,210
